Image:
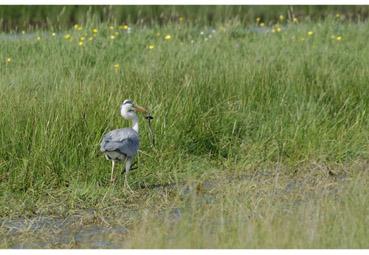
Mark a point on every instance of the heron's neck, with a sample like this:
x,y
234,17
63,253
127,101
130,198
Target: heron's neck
x,y
135,124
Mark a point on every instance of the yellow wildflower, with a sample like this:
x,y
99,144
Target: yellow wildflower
x,y
116,33
257,19
90,38
338,15
112,37
116,67
281,17
94,30
278,29
111,28
273,30
181,19
67,36
262,24
23,32
8,60
77,27
168,37
310,33
80,43
123,27
339,38
53,34
295,20
38,38
82,38
151,46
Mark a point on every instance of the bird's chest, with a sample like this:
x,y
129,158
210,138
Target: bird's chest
x,y
113,155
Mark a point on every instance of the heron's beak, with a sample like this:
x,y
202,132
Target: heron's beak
x,y
140,108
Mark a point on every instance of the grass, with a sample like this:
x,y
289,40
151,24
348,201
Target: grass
x,y
268,208
228,101
270,212
63,16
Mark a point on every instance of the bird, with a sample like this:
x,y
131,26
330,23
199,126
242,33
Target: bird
x,y
121,145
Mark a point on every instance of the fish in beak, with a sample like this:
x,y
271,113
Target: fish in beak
x,y
139,108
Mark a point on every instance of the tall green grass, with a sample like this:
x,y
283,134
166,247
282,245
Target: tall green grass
x,y
233,100
240,95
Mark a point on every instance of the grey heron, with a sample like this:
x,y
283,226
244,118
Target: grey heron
x,y
121,145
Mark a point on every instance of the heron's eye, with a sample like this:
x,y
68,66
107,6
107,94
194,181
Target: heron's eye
x,y
130,110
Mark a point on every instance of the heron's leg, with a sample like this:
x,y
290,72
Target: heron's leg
x,y
128,167
112,171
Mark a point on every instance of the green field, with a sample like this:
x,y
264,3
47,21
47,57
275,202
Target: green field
x,y
262,132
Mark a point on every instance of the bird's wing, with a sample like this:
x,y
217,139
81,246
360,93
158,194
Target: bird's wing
x,y
123,140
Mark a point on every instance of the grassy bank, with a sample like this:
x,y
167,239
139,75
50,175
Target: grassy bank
x,y
228,100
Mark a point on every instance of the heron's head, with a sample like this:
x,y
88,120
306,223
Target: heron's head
x,y
129,109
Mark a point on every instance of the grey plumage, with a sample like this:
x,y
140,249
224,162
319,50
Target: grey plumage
x,y
123,141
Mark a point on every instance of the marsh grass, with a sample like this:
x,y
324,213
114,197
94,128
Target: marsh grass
x,y
273,211
233,101
269,208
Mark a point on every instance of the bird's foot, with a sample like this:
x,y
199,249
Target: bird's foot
x,y
128,188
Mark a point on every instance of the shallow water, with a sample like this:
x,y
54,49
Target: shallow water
x,y
77,231
70,231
